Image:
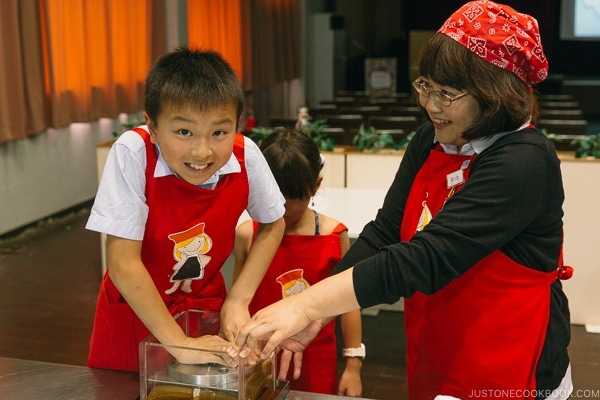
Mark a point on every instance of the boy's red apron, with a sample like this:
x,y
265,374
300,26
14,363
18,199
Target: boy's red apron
x,y
456,338
301,261
189,234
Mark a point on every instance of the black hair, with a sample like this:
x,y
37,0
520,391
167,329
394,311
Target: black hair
x,y
193,78
295,160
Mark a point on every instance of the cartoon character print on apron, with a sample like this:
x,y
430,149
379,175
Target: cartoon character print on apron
x,y
189,234
302,260
456,338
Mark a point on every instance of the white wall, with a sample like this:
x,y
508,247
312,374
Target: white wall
x,y
320,43
582,216
56,170
49,173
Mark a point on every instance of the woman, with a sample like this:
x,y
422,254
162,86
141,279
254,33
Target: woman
x,y
470,232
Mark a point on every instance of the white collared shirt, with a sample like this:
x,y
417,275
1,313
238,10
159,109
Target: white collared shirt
x,y
120,207
476,146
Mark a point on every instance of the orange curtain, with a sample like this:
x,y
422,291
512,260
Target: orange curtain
x,y
22,107
217,25
276,41
96,57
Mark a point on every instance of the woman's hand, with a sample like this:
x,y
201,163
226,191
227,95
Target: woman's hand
x,y
294,347
274,324
203,350
233,318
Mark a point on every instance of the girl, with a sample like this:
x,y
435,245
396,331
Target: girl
x,y
312,245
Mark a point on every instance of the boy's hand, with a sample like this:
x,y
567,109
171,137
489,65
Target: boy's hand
x,y
214,351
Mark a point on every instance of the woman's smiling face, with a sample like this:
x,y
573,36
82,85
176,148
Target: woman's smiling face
x,y
450,121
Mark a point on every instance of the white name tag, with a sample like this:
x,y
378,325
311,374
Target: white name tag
x,y
455,178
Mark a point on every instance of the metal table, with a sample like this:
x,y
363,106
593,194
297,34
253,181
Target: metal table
x,y
26,380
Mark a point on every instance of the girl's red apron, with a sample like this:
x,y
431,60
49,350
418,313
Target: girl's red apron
x,y
178,211
482,334
300,261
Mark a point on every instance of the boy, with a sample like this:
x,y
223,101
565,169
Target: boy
x,y
169,200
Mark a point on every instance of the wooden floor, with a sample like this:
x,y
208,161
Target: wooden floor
x,y
49,279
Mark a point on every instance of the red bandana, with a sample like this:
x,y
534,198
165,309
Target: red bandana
x,y
501,36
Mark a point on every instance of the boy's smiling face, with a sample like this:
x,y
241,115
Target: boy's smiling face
x,y
195,143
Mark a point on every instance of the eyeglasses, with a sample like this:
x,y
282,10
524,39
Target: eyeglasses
x,y
438,95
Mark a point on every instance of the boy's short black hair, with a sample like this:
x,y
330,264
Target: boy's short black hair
x,y
189,77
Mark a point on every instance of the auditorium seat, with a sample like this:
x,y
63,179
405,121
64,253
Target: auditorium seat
x,y
573,127
349,122
406,123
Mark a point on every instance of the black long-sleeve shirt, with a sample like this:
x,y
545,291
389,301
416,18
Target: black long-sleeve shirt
x,y
512,201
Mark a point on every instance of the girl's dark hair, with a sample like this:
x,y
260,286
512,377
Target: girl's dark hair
x,y
295,161
194,78
506,101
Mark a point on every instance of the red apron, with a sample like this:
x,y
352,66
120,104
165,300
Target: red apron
x,y
189,234
463,340
302,260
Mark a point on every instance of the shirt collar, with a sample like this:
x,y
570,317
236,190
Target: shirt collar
x,y
476,146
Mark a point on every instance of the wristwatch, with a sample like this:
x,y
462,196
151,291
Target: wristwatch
x,y
355,351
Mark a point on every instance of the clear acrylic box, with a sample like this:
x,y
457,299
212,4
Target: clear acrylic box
x,y
162,377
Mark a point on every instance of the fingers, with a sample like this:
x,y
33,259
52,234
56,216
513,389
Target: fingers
x,y
284,364
243,345
249,339
230,362
194,356
228,335
205,349
271,345
297,364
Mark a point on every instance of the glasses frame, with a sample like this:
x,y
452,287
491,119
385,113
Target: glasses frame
x,y
438,95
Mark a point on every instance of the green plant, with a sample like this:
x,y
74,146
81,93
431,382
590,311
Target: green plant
x,y
403,143
128,126
588,146
314,130
259,133
322,139
368,138
584,146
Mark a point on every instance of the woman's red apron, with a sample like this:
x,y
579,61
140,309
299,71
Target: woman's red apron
x,y
189,234
300,261
482,334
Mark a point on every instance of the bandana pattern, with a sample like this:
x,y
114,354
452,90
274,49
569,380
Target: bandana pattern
x,y
501,36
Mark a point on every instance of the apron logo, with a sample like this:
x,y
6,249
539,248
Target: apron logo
x,y
292,282
425,217
189,251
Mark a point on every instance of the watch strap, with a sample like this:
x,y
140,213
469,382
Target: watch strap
x,y
355,351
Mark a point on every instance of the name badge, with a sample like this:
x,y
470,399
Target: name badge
x,y
455,178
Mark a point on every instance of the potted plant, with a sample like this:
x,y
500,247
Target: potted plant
x,y
584,146
368,138
588,146
314,129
